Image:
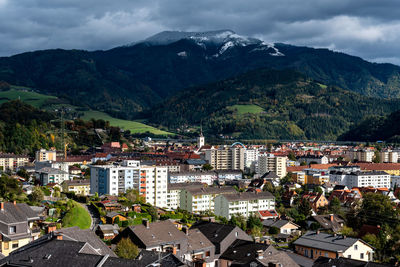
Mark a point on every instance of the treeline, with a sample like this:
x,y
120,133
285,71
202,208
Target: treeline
x,y
295,107
376,128
25,129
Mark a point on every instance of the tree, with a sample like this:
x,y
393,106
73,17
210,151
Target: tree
x,y
377,209
126,249
23,173
253,221
318,189
132,195
273,230
377,157
152,211
207,167
291,156
37,194
304,208
335,205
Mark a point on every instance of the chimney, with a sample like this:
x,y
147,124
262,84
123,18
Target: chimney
x,y
185,230
15,203
146,223
51,228
174,250
2,206
59,237
331,216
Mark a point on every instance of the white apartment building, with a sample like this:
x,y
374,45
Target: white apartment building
x,y
360,179
250,158
225,158
389,156
198,200
48,175
270,162
150,181
193,177
12,161
45,155
244,203
174,193
314,159
360,155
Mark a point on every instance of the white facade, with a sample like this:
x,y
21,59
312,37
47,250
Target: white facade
x,y
45,155
150,181
226,158
389,156
12,162
250,158
361,179
360,155
191,177
316,159
270,162
245,204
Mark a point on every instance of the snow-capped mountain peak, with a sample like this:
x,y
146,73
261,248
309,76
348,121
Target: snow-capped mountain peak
x,y
224,39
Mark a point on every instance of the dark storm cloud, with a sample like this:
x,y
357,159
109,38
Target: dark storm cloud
x,y
367,28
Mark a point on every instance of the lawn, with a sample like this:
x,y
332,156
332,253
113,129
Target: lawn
x,y
77,216
243,109
22,93
133,126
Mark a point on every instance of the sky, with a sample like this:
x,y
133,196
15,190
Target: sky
x,y
366,28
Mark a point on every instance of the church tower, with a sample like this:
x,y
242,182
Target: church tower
x,y
200,139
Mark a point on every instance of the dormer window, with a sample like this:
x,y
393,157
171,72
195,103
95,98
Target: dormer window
x,y
13,229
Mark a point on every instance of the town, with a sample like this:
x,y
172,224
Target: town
x,y
182,203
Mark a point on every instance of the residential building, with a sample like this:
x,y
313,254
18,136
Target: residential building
x,y
79,187
360,179
200,250
345,262
317,200
46,155
270,162
248,253
315,159
198,200
311,176
52,250
285,226
107,231
390,168
161,236
84,235
267,214
193,165
360,155
174,193
153,185
225,175
243,203
221,235
206,177
16,222
316,244
251,158
225,158
328,222
12,162
389,156
51,175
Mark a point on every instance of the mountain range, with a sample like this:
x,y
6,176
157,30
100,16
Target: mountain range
x,y
129,80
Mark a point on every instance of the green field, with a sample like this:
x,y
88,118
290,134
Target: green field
x,y
22,93
77,216
243,109
133,126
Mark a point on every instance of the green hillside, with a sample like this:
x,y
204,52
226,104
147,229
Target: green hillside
x,y
26,95
132,126
269,104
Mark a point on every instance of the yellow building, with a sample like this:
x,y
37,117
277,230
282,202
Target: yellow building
x,y
79,187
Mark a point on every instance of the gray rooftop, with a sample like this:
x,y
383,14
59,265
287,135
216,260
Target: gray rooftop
x,y
19,212
327,241
180,186
49,170
211,190
249,196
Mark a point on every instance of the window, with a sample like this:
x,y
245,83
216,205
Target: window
x,y
15,245
349,256
236,234
355,247
13,229
208,254
361,255
6,246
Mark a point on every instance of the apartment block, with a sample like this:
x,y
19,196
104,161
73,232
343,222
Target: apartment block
x,y
270,162
150,181
46,155
198,200
12,161
226,158
360,155
243,203
360,179
194,176
174,193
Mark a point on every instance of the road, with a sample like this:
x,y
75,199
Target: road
x,y
94,219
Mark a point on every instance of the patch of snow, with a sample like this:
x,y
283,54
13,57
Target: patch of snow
x,y
267,46
182,54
